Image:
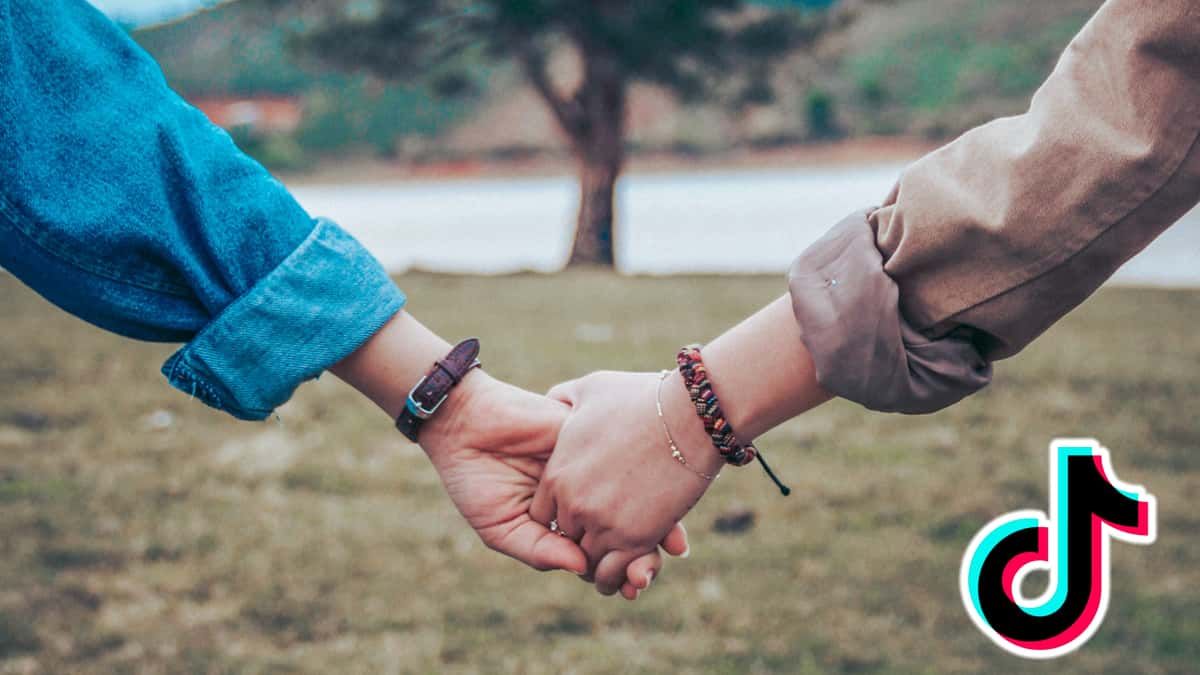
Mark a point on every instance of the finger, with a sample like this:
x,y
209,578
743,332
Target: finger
x,y
535,545
570,529
641,572
565,392
610,573
544,510
594,552
629,591
676,542
544,505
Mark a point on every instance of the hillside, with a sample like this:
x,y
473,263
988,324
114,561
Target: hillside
x,y
230,48
927,68
939,67
240,49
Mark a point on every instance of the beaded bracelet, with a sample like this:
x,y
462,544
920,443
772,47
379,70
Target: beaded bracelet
x,y
695,378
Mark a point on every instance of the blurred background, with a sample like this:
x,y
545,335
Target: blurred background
x,y
560,178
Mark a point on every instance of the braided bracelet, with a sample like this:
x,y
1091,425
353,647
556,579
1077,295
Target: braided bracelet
x,y
695,378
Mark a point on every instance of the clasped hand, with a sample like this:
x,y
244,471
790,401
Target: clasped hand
x,y
592,458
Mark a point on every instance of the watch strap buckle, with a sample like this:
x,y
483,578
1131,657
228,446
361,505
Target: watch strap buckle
x,y
436,386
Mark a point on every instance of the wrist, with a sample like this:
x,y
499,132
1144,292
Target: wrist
x,y
741,407
456,413
387,366
762,372
723,432
686,427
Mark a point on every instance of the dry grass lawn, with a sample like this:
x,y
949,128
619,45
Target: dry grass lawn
x,y
141,532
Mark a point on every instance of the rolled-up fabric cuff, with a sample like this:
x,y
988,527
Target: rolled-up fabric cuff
x,y
313,310
863,348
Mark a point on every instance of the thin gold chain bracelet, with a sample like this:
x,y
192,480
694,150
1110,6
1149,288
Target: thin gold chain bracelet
x,y
667,430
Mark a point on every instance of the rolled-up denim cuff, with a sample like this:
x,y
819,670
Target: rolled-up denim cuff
x,y
862,346
313,310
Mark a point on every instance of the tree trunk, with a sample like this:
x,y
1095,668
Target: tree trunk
x,y
594,224
599,143
593,118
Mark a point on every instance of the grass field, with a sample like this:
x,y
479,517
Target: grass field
x,y
141,532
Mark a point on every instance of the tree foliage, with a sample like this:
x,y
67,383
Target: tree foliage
x,y
687,46
699,49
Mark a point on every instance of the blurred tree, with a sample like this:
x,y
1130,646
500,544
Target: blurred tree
x,y
688,46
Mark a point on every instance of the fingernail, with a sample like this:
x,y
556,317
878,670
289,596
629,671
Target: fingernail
x,y
649,578
686,552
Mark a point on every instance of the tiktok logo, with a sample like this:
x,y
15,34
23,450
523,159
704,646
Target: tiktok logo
x,y
1088,505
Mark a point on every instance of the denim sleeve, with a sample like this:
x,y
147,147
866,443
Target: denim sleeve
x,y
125,206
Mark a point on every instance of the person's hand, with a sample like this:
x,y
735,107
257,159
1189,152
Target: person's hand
x,y
489,443
612,483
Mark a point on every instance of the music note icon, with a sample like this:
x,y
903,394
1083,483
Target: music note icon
x,y
1088,507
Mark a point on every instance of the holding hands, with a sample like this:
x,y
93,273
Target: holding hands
x,y
594,477
490,448
490,443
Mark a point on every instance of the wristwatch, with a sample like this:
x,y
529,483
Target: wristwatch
x,y
432,390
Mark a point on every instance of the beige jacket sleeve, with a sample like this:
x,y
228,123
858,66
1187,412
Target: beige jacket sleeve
x,y
985,243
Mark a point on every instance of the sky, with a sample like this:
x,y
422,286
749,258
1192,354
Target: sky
x,y
140,11
146,11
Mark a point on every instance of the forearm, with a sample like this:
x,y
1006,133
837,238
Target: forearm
x,y
761,371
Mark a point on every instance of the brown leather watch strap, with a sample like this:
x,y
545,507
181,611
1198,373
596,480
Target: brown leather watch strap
x,y
433,389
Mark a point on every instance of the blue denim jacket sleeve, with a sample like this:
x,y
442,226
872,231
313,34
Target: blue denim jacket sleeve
x,y
123,205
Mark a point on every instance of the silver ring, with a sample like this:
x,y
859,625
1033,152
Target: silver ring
x,y
556,529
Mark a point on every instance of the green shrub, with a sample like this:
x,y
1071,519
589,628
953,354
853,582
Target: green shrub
x,y
819,109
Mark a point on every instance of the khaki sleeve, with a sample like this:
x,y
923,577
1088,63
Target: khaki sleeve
x,y
988,241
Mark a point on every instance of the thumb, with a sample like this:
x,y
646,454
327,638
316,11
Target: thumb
x,y
533,427
554,552
565,392
535,545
